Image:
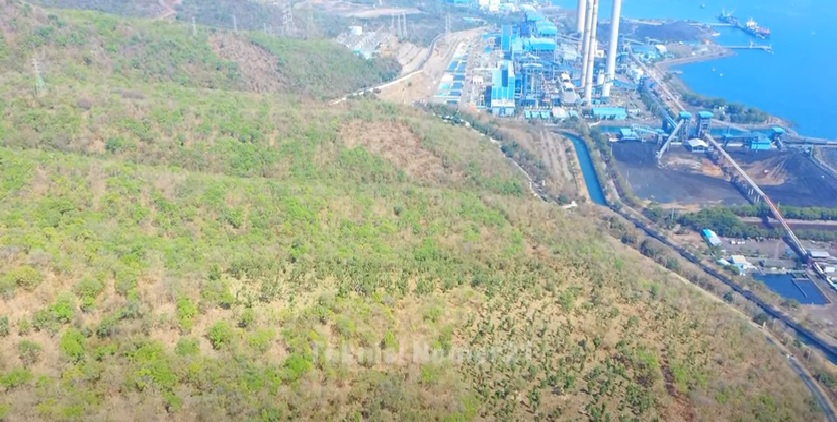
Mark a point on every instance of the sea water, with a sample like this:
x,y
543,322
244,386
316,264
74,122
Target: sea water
x,y
794,83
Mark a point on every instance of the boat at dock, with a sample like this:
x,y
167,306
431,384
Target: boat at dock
x,y
750,27
728,17
753,28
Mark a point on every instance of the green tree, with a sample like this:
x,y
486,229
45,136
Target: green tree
x,y
72,344
29,352
220,335
25,277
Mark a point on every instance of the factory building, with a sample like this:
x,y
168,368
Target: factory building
x,y
759,143
696,145
608,113
501,92
538,73
711,237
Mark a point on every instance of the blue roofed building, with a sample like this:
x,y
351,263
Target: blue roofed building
x,y
537,44
711,238
506,38
502,89
609,113
760,143
646,52
545,29
532,16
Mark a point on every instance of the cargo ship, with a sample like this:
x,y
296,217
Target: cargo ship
x,y
750,27
753,28
729,18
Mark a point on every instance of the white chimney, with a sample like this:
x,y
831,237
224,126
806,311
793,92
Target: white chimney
x,y
581,15
591,54
585,42
612,48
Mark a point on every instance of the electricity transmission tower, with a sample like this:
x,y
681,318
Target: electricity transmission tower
x,y
287,20
194,27
235,24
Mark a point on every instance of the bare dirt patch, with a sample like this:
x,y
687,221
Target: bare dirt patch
x,y
374,13
423,85
768,172
711,169
398,144
790,178
257,67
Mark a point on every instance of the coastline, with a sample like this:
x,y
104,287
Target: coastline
x,y
665,66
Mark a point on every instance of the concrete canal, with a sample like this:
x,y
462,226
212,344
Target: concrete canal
x,y
588,171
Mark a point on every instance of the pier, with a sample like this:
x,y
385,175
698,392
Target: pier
x,y
712,24
751,46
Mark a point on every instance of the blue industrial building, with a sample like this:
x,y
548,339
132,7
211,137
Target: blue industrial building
x,y
501,93
759,143
545,29
646,52
609,113
528,77
711,238
533,16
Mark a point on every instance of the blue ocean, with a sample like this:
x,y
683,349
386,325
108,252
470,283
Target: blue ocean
x,y
794,83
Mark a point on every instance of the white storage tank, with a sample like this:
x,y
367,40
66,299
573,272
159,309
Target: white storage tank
x,y
356,30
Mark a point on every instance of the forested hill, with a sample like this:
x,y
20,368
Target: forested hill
x,y
188,235
90,48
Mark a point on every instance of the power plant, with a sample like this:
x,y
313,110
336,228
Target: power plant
x,y
537,72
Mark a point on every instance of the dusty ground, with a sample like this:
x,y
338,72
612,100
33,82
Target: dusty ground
x,y
409,55
399,145
829,155
796,179
767,172
257,67
682,186
771,248
551,149
423,85
373,13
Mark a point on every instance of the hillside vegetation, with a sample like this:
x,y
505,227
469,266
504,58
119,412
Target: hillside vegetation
x,y
80,48
176,246
137,8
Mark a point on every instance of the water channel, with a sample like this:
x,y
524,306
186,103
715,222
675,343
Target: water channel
x,y
591,180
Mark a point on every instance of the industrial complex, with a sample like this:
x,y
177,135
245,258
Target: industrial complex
x,y
547,65
541,73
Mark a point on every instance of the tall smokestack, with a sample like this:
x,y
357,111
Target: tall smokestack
x,y
591,54
612,47
585,41
581,15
